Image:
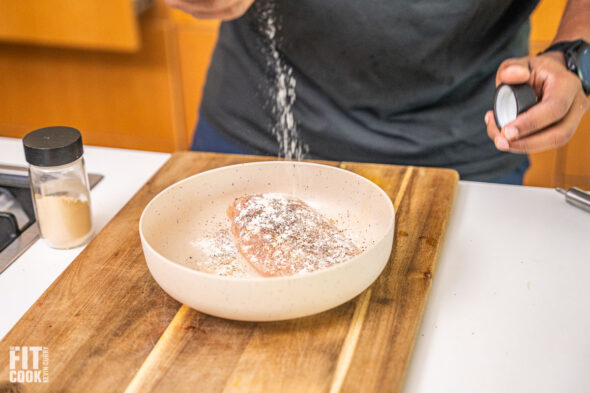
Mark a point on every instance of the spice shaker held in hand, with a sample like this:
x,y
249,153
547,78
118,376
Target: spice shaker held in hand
x,y
59,185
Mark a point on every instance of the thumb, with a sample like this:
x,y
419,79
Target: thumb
x,y
513,71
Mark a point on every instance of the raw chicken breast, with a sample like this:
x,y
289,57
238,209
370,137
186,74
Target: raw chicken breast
x,y
280,235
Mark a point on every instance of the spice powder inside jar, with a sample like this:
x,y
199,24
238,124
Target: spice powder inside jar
x,y
64,221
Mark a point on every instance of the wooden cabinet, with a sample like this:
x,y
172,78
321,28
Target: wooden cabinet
x,y
131,100
140,94
104,24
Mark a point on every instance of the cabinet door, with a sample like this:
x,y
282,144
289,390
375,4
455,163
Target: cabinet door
x,y
104,24
129,100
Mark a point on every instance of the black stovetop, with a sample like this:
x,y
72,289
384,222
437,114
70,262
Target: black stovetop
x,y
10,228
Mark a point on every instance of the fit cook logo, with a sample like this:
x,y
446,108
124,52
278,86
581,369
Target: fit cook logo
x,y
29,364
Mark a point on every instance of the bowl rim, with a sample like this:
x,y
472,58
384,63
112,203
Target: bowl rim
x,y
320,272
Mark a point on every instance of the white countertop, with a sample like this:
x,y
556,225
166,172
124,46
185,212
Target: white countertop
x,y
509,309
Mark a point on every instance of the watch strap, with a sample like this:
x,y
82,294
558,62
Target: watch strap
x,y
568,48
562,46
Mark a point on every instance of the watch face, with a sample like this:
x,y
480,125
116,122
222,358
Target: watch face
x,y
584,65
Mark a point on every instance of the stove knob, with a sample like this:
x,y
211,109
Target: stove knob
x,y
8,229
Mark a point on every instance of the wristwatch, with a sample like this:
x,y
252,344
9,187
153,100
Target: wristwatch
x,y
577,59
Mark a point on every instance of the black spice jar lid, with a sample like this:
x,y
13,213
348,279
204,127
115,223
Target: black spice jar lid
x,y
512,100
53,146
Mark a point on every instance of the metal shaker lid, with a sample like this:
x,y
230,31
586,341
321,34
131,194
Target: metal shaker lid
x,y
512,100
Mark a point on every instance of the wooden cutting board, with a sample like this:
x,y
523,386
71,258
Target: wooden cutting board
x,y
109,327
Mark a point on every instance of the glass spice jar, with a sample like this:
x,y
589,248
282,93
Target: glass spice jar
x,y
59,186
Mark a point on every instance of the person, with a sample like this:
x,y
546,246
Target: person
x,y
393,81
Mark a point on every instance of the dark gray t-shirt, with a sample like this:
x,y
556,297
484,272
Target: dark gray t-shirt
x,y
401,82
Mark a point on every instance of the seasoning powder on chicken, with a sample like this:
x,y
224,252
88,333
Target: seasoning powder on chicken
x,y
280,235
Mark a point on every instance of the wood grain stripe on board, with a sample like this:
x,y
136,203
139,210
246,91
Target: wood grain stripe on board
x,y
362,305
166,347
349,346
402,189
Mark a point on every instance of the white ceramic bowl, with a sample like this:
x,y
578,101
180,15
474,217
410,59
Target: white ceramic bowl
x,y
197,205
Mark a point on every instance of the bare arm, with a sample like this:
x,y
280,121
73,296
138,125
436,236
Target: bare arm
x,y
575,22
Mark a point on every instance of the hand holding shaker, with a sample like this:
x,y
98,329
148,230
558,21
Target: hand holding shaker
x,y
59,186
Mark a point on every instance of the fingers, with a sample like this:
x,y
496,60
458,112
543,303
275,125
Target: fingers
x,y
492,128
513,71
237,10
552,137
212,9
221,9
554,106
494,133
